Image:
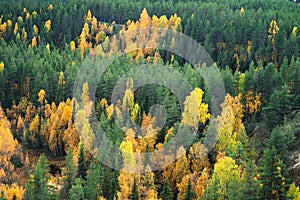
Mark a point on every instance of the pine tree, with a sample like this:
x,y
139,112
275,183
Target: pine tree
x,y
166,193
81,164
134,193
190,193
94,179
211,192
251,187
278,107
271,177
36,187
76,191
68,173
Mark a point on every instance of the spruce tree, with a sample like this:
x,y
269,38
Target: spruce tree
x,y
278,107
36,187
271,178
134,193
68,174
251,186
166,193
76,191
190,193
94,181
81,164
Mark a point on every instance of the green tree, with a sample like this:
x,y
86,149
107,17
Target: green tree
x,y
94,181
36,187
81,163
271,176
166,193
251,186
68,175
76,191
189,193
134,192
278,107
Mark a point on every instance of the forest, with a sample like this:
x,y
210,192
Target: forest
x,y
65,135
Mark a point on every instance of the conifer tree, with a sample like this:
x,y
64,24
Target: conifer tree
x,y
81,163
36,187
134,193
68,175
166,193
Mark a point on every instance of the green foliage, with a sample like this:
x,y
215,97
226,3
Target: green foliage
x,y
94,181
69,173
166,193
81,163
134,192
76,192
279,107
36,187
271,176
189,193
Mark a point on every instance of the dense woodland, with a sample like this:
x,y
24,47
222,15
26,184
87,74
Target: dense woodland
x,y
47,137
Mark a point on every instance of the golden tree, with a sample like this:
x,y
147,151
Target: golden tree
x,y
8,147
195,110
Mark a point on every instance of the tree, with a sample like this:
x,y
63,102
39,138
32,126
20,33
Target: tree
x,y
8,146
166,193
230,127
94,181
293,192
226,178
189,193
68,175
271,176
278,107
134,192
194,110
36,187
81,163
251,186
76,192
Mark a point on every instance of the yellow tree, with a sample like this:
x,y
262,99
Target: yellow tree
x,y
72,46
35,30
197,158
195,110
48,25
126,179
176,171
8,147
145,20
273,29
1,66
253,102
227,176
230,127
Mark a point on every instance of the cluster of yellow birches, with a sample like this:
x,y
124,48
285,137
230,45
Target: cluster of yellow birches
x,y
134,37
8,148
193,166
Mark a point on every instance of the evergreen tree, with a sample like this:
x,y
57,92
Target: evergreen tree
x,y
36,187
81,164
190,193
278,107
76,191
2,197
271,178
68,174
94,181
251,187
134,192
166,193
211,192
